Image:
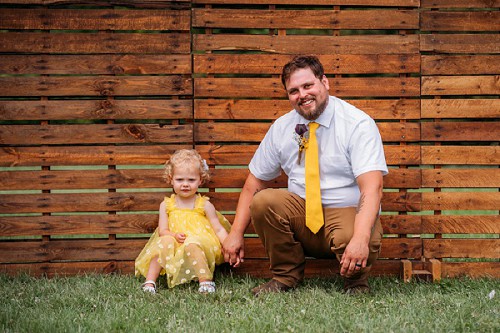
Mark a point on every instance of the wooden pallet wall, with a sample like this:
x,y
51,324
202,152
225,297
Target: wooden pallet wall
x,y
460,47
94,97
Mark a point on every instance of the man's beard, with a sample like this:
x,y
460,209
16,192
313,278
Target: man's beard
x,y
316,112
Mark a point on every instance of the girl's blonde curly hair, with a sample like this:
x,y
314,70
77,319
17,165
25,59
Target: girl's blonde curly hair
x,y
183,157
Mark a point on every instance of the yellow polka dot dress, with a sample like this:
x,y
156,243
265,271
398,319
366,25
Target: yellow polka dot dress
x,y
195,259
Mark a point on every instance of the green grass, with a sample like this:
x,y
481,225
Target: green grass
x,y
114,303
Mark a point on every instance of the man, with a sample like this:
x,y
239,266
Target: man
x,y
351,168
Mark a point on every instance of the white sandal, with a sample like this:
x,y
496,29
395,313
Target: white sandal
x,y
207,287
149,289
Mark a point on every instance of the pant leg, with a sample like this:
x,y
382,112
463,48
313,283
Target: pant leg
x,y
339,230
279,220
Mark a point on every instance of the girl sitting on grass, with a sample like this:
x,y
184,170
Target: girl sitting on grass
x,y
186,246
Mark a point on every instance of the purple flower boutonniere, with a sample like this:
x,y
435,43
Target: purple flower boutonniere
x,y
301,136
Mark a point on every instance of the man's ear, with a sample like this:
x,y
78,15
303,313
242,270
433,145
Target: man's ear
x,y
325,82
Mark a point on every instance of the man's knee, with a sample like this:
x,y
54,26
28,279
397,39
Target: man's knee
x,y
261,203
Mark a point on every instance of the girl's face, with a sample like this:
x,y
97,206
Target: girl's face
x,y
186,180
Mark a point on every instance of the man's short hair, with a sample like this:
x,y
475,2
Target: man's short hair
x,y
299,62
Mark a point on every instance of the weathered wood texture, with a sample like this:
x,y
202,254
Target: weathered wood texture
x,y
94,99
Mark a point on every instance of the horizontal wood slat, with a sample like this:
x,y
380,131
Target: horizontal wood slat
x,y
96,86
94,19
306,19
128,3
459,4
471,177
461,85
471,269
460,108
460,21
148,201
487,155
109,64
272,87
128,249
460,43
296,44
381,3
462,248
460,131
460,64
94,134
96,109
153,178
461,224
96,155
242,154
332,64
255,132
92,43
460,200
78,224
272,109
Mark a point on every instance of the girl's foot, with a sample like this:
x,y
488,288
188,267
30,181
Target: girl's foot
x,y
149,287
207,287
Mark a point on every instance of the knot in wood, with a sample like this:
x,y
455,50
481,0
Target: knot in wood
x,y
136,131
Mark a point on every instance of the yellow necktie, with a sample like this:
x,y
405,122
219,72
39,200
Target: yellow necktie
x,y
314,209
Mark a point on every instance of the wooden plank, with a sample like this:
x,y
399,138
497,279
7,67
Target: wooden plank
x,y
255,132
96,109
242,154
460,21
235,178
460,108
332,64
94,134
461,85
81,179
94,19
78,224
53,269
471,269
95,86
305,19
480,155
272,109
128,3
401,224
82,155
272,87
79,202
381,3
460,64
461,131
460,200
95,43
461,224
70,250
108,64
460,4
460,43
296,44
461,177
462,248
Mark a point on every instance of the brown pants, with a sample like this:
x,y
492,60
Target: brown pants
x,y
279,220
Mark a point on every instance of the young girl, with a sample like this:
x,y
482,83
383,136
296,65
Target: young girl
x,y
186,246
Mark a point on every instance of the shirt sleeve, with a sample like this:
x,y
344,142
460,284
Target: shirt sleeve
x,y
366,149
265,164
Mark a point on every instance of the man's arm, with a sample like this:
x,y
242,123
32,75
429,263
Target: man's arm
x,y
357,251
233,246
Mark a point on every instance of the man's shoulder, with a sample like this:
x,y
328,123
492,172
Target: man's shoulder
x,y
348,112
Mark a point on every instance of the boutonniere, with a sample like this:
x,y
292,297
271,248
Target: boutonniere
x,y
301,136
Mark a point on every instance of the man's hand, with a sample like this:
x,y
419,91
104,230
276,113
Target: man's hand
x,y
233,249
354,258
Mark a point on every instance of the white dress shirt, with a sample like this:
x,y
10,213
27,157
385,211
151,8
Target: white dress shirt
x,y
349,144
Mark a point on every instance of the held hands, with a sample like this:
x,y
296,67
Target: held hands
x,y
233,249
354,258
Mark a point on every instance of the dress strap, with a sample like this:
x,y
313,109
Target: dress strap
x,y
200,202
169,203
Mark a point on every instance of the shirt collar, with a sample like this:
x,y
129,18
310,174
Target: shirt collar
x,y
325,119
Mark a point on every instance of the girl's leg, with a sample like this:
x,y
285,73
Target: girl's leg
x,y
154,271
